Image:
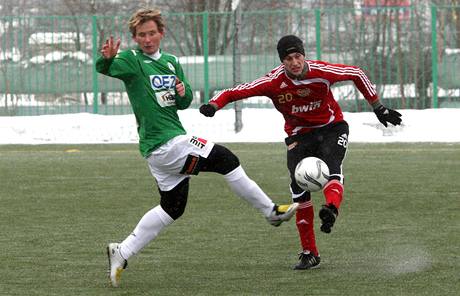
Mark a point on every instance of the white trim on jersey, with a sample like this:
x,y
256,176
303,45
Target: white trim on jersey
x,y
277,71
314,80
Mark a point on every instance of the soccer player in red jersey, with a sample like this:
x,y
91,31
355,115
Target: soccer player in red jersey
x,y
300,90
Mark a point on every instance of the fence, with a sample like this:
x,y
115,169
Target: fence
x,y
411,53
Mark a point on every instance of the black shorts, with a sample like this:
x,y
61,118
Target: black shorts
x,y
328,143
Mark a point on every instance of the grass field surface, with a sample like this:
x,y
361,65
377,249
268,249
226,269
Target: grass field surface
x,y
398,232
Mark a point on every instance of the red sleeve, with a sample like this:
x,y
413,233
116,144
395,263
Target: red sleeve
x,y
340,72
257,87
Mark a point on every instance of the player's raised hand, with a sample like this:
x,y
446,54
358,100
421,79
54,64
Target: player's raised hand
x,y
110,48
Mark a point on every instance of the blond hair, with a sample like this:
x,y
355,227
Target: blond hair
x,y
144,15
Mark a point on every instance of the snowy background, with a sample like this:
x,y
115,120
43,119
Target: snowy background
x,y
260,125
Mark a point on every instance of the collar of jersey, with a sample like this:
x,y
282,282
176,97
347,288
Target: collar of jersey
x,y
156,56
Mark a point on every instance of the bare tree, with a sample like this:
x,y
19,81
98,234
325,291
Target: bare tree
x,y
392,50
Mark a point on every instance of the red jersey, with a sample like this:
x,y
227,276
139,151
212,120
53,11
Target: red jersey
x,y
308,103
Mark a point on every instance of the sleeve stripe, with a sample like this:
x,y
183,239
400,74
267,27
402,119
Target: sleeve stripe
x,y
252,84
243,86
360,73
348,71
248,85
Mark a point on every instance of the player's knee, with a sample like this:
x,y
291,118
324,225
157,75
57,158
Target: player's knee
x,y
221,160
174,208
229,162
174,201
337,177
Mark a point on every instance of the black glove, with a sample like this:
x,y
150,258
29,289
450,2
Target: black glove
x,y
386,115
208,110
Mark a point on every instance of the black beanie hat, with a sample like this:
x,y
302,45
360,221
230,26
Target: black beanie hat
x,y
289,44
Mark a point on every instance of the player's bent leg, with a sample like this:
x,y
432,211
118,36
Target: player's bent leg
x,y
223,161
247,189
220,160
333,191
333,151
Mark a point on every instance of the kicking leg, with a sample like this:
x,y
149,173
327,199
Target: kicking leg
x,y
333,151
221,160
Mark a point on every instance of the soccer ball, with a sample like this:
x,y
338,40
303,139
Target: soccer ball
x,y
311,174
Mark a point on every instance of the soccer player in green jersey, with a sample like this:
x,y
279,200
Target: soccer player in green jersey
x,y
157,88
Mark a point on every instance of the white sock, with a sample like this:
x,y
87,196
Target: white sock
x,y
146,230
247,189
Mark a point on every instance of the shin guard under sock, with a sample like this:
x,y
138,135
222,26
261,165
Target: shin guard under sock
x,y
333,192
304,222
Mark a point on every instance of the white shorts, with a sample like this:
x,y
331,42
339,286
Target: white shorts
x,y
167,161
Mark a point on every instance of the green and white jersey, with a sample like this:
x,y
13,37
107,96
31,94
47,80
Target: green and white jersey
x,y
150,84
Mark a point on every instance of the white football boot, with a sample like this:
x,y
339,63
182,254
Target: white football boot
x,y
282,213
116,264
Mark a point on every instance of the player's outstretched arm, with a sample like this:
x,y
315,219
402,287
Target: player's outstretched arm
x,y
386,115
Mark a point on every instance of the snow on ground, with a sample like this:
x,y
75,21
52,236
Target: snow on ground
x,y
260,125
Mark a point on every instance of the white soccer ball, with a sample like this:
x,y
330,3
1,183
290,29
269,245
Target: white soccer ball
x,y
311,174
